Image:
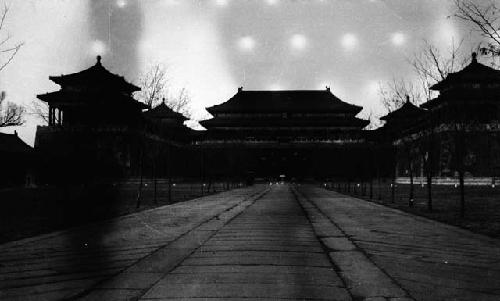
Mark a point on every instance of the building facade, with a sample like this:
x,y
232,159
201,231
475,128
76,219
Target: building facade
x,y
293,134
458,131
97,129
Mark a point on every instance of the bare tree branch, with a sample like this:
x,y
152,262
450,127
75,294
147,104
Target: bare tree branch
x,y
4,15
7,52
393,94
155,87
374,120
485,19
40,109
181,103
432,66
10,114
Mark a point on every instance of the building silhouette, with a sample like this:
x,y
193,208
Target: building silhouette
x,y
296,134
168,122
457,131
396,123
18,160
97,129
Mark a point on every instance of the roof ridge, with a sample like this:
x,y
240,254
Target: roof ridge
x,y
97,67
291,90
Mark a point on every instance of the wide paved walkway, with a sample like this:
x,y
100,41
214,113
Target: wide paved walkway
x,y
258,243
429,260
64,264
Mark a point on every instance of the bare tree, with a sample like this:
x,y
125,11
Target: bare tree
x,y
485,19
39,109
393,94
374,120
427,146
181,102
409,148
153,85
7,50
432,65
155,88
11,114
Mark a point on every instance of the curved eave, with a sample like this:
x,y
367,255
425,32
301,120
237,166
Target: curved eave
x,y
44,97
11,143
403,115
62,97
215,122
437,87
354,109
475,72
306,101
118,82
431,103
164,112
181,118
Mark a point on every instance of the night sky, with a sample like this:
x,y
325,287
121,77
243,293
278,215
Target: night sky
x,y
212,47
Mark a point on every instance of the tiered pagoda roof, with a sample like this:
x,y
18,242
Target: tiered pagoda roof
x,y
163,112
168,122
402,119
284,101
284,109
295,122
95,76
407,112
475,72
96,80
74,98
476,83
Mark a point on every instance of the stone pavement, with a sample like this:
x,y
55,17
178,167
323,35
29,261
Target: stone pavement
x,y
268,252
427,259
67,263
259,243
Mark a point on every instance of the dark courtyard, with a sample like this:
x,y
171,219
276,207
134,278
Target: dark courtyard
x,y
293,242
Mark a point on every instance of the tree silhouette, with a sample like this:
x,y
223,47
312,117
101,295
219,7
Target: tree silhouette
x,y
430,65
155,87
153,84
485,19
8,50
11,114
393,94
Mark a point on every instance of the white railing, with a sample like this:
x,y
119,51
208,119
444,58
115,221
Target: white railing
x,y
469,181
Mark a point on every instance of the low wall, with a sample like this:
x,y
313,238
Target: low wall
x,y
475,181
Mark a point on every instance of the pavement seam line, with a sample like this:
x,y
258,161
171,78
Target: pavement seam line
x,y
362,251
325,249
253,198
87,291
